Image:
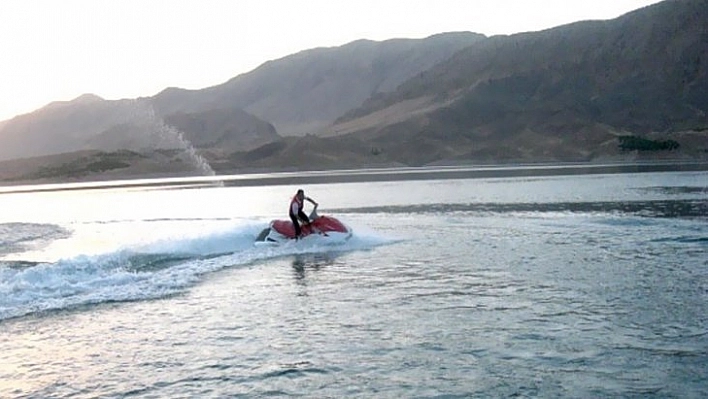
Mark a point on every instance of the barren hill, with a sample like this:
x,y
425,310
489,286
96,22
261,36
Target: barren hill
x,y
629,88
305,92
560,94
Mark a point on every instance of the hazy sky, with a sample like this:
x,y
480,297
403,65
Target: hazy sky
x,y
59,49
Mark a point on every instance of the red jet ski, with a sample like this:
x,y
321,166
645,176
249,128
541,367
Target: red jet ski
x,y
327,227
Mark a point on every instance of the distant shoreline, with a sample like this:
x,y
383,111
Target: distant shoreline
x,y
365,175
464,172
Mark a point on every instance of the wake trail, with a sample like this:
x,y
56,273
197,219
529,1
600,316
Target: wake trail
x,y
144,271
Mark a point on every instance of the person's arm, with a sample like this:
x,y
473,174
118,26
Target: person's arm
x,y
311,201
294,209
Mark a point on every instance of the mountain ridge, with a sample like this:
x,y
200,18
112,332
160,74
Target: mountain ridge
x,y
565,94
591,80
301,93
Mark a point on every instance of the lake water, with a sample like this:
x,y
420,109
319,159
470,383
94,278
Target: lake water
x,y
549,286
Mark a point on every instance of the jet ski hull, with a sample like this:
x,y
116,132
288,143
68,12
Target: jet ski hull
x,y
326,227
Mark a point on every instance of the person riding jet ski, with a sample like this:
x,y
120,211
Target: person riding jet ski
x,y
296,211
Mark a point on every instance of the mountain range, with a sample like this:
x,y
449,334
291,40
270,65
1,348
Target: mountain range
x,y
566,94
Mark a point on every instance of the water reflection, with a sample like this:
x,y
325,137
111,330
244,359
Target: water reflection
x,y
305,263
301,262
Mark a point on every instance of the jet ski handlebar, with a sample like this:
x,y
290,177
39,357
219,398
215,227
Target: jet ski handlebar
x,y
313,214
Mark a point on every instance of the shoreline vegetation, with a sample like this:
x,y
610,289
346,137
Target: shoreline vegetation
x,y
363,175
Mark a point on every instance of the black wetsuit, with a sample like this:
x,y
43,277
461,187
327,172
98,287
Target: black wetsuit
x,y
295,216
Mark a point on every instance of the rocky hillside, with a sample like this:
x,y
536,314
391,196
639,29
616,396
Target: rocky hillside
x,y
307,91
91,123
560,94
629,88
61,126
299,93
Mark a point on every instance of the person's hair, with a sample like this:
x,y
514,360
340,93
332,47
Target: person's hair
x,y
301,191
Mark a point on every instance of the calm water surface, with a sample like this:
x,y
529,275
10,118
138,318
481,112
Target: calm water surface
x,y
572,286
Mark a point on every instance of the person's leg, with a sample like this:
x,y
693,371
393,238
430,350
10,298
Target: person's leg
x,y
303,217
298,232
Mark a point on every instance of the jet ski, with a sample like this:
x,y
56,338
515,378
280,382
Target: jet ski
x,y
328,227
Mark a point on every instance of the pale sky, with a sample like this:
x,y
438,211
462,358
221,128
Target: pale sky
x,y
56,50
